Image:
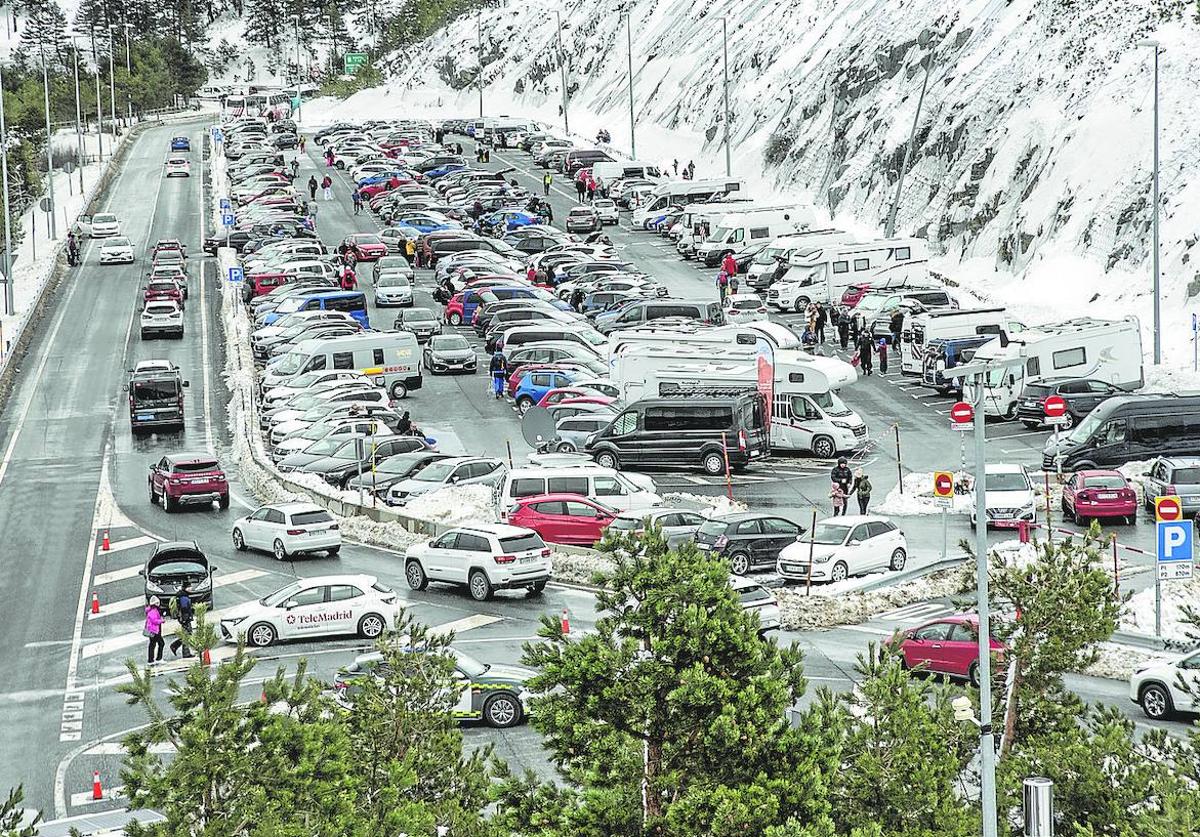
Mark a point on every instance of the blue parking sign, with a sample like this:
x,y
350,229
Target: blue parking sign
x,y
225,203
1174,549
236,275
227,219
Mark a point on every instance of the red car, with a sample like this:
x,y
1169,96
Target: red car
x,y
515,373
560,394
163,289
186,479
949,645
854,293
1097,494
562,518
367,247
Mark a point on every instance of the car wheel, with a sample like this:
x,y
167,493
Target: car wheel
x,y
502,711
239,542
608,459
481,587
399,391
839,572
524,404
455,319
278,550
823,447
713,464
739,563
223,501
566,447
414,574
153,496
1156,702
536,588
1131,519
261,635
1066,422
973,674
371,626
899,558
168,503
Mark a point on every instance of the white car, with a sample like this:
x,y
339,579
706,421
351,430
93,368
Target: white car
x,y
287,529
459,470
744,308
312,382
483,558
1155,685
393,288
757,599
327,605
101,225
178,167
844,546
607,210
162,317
1010,497
117,250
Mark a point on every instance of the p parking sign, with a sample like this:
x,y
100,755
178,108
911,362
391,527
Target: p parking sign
x,y
236,275
227,219
1174,552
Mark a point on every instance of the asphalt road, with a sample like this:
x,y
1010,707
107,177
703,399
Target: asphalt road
x,y
70,470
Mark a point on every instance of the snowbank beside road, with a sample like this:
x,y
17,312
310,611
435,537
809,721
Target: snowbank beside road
x,y
917,498
1138,615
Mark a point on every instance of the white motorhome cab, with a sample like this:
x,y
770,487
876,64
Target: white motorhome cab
x,y
921,329
1105,350
680,193
697,221
390,359
746,337
743,228
607,171
820,273
767,261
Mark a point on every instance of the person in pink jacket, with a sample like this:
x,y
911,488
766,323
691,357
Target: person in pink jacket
x,y
153,631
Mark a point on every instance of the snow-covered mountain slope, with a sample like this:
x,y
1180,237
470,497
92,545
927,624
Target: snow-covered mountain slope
x,y
1033,152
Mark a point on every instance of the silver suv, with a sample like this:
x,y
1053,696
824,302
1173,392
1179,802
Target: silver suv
x,y
1177,475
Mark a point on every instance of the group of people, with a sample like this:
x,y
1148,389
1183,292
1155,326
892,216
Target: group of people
x,y
183,611
587,187
689,171
326,187
846,483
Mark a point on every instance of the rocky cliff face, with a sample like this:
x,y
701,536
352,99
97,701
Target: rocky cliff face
x,y
1034,136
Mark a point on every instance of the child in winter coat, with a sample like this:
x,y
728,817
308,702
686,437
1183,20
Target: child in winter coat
x,y
837,496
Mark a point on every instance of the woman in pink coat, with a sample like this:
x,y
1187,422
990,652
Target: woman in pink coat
x,y
153,631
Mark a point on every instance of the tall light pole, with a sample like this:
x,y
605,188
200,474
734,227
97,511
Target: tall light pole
x,y
629,52
8,278
49,145
112,88
890,229
296,29
562,66
78,114
128,76
479,51
1155,255
725,54
99,102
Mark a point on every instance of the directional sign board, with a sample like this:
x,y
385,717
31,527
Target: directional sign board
x,y
943,489
961,415
236,275
227,219
1174,549
1167,509
218,135
225,203
353,61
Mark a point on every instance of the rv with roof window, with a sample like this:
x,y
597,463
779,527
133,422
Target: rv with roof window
x,y
680,193
822,272
747,227
922,329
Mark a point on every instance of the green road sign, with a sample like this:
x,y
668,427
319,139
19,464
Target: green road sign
x,y
354,61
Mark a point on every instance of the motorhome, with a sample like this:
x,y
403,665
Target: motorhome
x,y
680,193
1105,350
697,221
921,329
607,171
806,414
743,228
821,272
774,257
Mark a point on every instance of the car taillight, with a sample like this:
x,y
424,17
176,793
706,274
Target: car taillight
x,y
333,527
741,440
721,542
1170,489
505,559
1086,496
545,553
296,531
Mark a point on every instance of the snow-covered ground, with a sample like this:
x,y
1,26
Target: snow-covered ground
x,y
1138,616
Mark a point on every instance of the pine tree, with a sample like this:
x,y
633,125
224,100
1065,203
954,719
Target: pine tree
x,y
11,816
44,35
265,20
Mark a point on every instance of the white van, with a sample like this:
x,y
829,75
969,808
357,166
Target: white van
x,y
391,359
768,260
607,171
625,492
680,193
755,226
698,220
1105,350
820,273
921,329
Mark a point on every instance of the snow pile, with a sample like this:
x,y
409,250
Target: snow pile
x,y
917,498
454,505
1013,553
1138,616
707,504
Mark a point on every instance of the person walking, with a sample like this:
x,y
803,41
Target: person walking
x,y
186,614
733,283
591,189
866,351
312,187
675,165
723,285
152,630
349,280
72,249
882,348
357,199
580,188
295,166
896,326
327,188
577,299
404,426
729,264
841,475
837,496
822,318
301,145
547,179
843,330
410,250
498,367
862,490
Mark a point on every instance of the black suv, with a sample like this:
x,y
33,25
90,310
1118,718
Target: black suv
x,y
1081,394
748,539
174,566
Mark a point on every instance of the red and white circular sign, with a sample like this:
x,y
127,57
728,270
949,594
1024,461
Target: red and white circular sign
x,y
943,485
1167,509
1054,406
962,412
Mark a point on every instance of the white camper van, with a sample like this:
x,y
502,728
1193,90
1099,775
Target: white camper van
x,y
698,221
754,226
607,171
1105,350
820,273
922,329
680,193
762,268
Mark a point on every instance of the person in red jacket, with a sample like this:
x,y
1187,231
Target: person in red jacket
x,y
349,280
729,264
531,275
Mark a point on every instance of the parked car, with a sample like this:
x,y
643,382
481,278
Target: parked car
x,y
582,219
1092,495
449,353
314,606
458,470
949,645
562,518
1155,686
758,600
750,540
422,322
844,546
1174,476
483,558
1082,395
1010,497
180,479
393,469
288,529
607,210
175,566
678,526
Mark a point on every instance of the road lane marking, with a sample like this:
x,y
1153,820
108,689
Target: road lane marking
x,y
116,748
134,602
208,429
128,543
915,611
467,623
864,629
116,575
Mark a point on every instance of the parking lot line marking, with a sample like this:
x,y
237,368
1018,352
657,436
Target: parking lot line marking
x,y
135,602
115,748
128,543
1014,436
914,611
864,629
467,623
116,575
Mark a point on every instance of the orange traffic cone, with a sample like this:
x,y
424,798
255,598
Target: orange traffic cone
x,y
104,545
97,791
95,602
205,657
262,698
566,622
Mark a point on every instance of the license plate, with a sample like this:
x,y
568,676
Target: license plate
x,y
527,559
145,416
703,546
1108,495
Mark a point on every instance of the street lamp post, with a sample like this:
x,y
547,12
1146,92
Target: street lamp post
x,y
725,55
99,102
890,229
629,54
128,76
112,88
296,29
562,66
1155,255
78,113
479,53
49,145
8,278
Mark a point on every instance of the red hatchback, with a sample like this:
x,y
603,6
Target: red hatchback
x,y
160,289
367,247
562,518
949,645
1096,494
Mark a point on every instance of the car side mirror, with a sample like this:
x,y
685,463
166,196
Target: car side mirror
x,y
854,542
142,573
187,383
1145,473
291,603
125,388
212,568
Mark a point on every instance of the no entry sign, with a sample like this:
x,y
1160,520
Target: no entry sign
x,y
962,413
1167,509
1054,406
943,484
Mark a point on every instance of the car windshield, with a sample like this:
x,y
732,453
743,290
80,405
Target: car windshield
x,y
290,363
170,568
280,596
391,261
104,219
117,242
325,447
161,309
522,543
626,524
366,238
449,342
436,472
831,404
419,315
469,665
1085,428
307,518
1186,476
1105,481
713,528
768,255
392,279
150,392
1008,481
197,466
829,534
745,304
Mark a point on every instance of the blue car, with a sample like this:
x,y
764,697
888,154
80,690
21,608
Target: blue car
x,y
442,171
425,224
382,177
534,384
181,144
510,219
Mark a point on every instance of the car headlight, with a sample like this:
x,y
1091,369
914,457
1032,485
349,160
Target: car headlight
x,y
235,620
822,559
843,425
202,584
153,587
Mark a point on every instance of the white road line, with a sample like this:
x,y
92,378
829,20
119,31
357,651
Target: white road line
x,y
128,543
81,607
116,748
135,602
116,575
208,431
864,629
467,623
